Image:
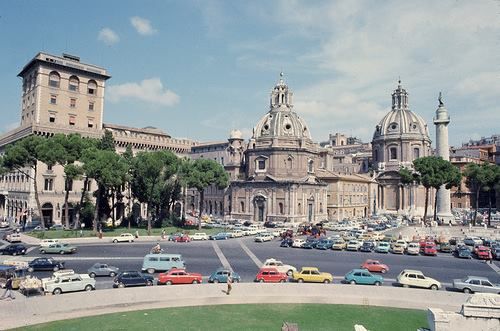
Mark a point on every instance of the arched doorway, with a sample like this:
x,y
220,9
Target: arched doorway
x,y
310,210
48,213
260,210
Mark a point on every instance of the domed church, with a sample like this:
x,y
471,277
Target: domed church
x,y
399,138
278,181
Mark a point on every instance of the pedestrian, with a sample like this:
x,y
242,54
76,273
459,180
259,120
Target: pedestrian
x,y
163,234
229,284
8,289
490,257
136,233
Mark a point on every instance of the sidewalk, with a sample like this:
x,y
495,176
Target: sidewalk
x,y
27,311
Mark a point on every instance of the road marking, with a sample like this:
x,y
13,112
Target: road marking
x,y
254,258
494,267
220,255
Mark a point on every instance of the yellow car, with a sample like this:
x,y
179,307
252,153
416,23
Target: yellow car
x,y
398,249
339,245
312,275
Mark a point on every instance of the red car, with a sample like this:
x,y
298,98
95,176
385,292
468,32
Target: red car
x,y
182,239
271,275
178,276
375,266
430,249
482,252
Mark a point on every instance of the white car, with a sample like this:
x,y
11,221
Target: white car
x,y
199,236
124,237
4,224
402,243
413,249
297,243
353,245
416,278
285,268
13,238
264,237
236,233
68,282
48,242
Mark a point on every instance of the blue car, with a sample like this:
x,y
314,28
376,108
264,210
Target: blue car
x,y
220,276
287,242
324,244
364,277
219,236
464,252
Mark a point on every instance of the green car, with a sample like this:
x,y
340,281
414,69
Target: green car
x,y
58,248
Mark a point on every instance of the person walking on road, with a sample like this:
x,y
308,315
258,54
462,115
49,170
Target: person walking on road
x,y
8,289
229,284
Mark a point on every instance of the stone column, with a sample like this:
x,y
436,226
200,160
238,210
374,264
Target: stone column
x,y
441,121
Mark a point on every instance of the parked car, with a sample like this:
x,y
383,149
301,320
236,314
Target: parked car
x,y
430,249
179,276
13,238
236,233
162,262
173,236
416,278
297,243
48,242
199,236
353,245
363,276
264,236
284,268
287,242
324,244
132,278
68,282
472,284
445,248
13,249
219,236
310,243
43,263
102,269
496,253
383,247
482,252
124,237
463,252
4,224
473,241
270,275
182,239
220,276
58,249
339,245
398,249
57,227
413,248
367,247
312,275
375,266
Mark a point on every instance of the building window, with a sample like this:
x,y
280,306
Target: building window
x,y
393,153
49,184
69,185
72,103
54,79
91,106
310,166
91,123
242,207
299,208
73,83
72,120
375,155
52,118
49,167
280,206
416,153
222,160
53,99
262,164
89,186
289,163
92,87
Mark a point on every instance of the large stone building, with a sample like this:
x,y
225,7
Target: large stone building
x,y
64,95
400,137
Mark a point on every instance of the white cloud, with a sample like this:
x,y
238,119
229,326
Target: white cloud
x,y
142,26
148,90
108,36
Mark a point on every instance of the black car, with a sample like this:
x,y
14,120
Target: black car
x,y
44,263
132,278
287,242
367,247
14,249
310,243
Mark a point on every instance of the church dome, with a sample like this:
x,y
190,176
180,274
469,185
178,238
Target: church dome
x,y
401,121
281,121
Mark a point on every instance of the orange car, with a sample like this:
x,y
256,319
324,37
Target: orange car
x,y
375,266
271,275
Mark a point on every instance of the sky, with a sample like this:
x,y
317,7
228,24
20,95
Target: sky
x,y
199,68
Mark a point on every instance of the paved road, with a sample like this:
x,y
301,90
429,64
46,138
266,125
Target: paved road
x,y
244,256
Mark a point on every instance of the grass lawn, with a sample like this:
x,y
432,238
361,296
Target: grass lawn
x,y
250,317
51,234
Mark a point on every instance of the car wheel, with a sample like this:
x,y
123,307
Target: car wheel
x,y
326,281
61,252
115,241
195,281
14,253
434,287
57,291
30,269
377,284
92,275
236,280
42,251
55,268
151,271
300,280
112,274
467,290
352,282
169,282
261,280
406,286
216,280
89,288
289,273
383,271
149,283
121,285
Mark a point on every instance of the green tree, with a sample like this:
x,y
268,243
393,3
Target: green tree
x,y
447,175
200,174
484,177
151,170
107,142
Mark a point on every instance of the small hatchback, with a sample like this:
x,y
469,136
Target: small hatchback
x,y
363,276
270,275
